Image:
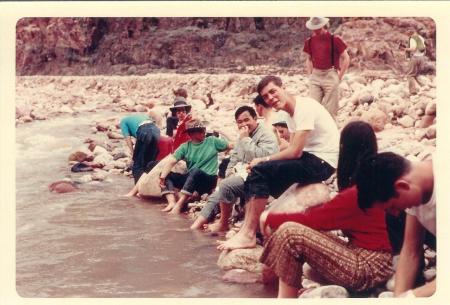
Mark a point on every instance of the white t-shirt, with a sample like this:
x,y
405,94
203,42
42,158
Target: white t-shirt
x,y
426,213
323,140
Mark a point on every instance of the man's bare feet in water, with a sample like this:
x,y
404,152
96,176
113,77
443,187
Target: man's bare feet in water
x,y
175,211
238,241
216,227
199,223
168,208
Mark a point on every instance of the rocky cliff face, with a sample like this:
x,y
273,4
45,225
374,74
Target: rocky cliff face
x,y
87,46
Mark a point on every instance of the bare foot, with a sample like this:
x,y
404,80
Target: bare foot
x,y
217,227
168,208
199,223
175,211
238,241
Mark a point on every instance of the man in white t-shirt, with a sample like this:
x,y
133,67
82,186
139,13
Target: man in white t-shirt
x,y
311,156
397,184
417,62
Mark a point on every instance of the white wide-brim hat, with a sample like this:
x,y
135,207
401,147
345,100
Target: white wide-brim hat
x,y
315,23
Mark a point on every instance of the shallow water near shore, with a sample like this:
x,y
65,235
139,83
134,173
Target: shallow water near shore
x,y
94,243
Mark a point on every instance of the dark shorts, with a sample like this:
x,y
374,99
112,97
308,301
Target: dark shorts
x,y
195,180
272,178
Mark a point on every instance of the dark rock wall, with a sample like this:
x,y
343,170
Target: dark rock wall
x,y
86,46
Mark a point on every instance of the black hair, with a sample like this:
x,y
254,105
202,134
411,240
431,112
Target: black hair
x,y
376,177
357,141
258,100
243,109
268,79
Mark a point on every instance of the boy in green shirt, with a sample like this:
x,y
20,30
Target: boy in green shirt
x,y
200,154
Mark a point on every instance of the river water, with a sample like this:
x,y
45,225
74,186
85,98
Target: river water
x,y
94,243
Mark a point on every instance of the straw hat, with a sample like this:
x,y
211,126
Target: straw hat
x,y
315,23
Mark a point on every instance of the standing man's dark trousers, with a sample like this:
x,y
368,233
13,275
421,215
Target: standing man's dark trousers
x,y
146,148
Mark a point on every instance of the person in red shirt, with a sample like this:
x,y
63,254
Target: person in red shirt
x,y
327,61
181,110
365,261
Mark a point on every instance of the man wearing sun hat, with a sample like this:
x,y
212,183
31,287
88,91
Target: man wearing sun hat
x,y
200,154
327,61
181,111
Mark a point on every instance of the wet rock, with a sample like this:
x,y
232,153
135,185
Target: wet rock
x,y
331,291
241,276
84,179
406,121
376,118
62,187
247,259
103,159
81,167
99,175
80,156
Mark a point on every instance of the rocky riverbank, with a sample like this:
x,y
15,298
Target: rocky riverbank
x,y
405,124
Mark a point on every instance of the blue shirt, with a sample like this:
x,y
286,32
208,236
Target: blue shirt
x,y
130,124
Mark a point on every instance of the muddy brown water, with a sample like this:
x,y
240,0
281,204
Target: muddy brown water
x,y
94,243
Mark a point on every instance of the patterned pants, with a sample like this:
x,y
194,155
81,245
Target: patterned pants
x,y
354,268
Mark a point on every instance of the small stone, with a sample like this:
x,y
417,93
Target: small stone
x,y
241,276
62,187
406,121
386,294
429,274
331,291
431,132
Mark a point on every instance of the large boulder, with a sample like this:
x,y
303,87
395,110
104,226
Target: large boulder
x,y
376,118
148,184
298,198
62,187
247,259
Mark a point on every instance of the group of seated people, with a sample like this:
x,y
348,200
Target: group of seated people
x,y
304,147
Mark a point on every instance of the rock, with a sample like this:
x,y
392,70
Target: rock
x,y
99,150
430,274
80,156
65,109
366,98
426,121
81,167
62,187
241,276
103,159
247,259
331,291
376,118
386,294
84,179
119,164
102,126
22,110
390,284
431,108
406,121
298,198
114,135
99,175
26,119
308,284
431,132
120,155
